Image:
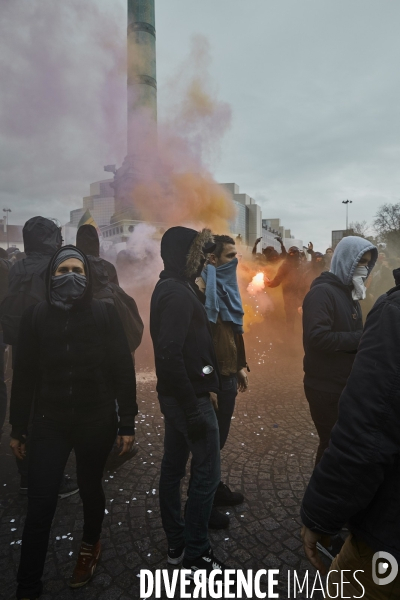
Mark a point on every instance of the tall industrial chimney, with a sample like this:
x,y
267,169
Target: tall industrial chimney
x,y
142,83
142,104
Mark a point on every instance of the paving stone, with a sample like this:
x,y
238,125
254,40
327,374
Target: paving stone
x,y
271,470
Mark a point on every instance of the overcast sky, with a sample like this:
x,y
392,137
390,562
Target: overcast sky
x,y
313,87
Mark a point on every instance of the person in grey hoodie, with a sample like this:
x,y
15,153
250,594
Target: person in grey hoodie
x,y
332,329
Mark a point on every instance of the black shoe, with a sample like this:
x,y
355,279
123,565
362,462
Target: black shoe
x,y
334,549
23,491
114,461
68,488
218,520
175,555
224,496
207,562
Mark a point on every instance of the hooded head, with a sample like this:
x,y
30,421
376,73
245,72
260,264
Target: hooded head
x,y
183,251
87,240
42,236
68,289
348,254
271,254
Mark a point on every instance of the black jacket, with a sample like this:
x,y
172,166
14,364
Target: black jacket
x,y
179,327
358,478
71,367
332,329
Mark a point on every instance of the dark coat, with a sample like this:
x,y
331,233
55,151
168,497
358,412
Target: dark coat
x,y
358,478
71,367
179,326
332,329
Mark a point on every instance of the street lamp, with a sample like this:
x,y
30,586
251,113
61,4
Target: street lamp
x,y
7,211
347,202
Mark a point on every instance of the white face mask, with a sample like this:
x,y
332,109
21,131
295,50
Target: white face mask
x,y
359,291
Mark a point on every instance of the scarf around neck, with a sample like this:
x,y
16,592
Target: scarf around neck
x,y
222,294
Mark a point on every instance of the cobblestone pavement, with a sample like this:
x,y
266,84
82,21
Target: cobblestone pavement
x,y
269,457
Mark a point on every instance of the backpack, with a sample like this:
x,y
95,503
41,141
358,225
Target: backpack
x,y
26,287
127,310
106,291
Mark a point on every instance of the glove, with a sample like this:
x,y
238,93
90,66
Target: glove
x,y
196,426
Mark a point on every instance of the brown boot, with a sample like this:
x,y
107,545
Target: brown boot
x,y
85,565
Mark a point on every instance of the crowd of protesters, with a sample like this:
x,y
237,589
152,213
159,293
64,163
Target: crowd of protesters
x,y
73,333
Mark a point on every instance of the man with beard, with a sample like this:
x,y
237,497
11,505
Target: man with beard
x,y
187,371
73,363
223,305
290,276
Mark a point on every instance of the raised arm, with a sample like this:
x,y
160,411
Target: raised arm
x,y
283,249
254,251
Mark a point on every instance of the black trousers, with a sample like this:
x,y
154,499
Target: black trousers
x,y
51,443
324,413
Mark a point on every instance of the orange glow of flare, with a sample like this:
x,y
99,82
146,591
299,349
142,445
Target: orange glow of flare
x,y
257,284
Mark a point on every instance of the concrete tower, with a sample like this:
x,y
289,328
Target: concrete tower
x,y
142,104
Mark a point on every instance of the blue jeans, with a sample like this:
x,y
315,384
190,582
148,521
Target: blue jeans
x,y
226,405
204,479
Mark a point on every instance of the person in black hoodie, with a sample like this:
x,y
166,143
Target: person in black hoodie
x,y
73,362
104,273
26,286
187,371
357,481
332,329
87,240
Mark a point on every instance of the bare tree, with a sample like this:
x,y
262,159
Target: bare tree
x,y
359,228
387,225
387,219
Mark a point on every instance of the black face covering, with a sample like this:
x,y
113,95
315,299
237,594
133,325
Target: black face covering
x,y
66,289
